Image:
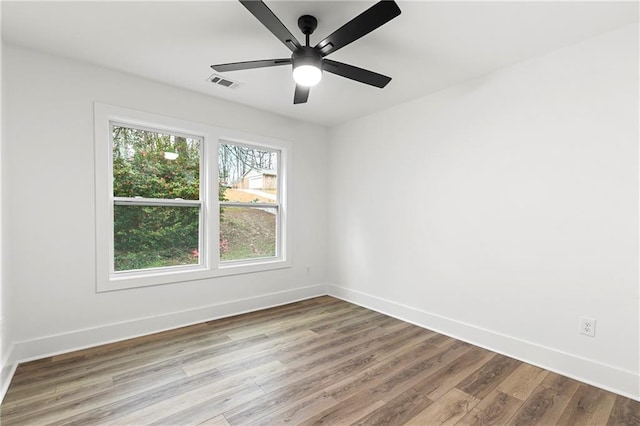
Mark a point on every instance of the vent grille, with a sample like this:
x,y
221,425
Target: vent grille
x,y
219,80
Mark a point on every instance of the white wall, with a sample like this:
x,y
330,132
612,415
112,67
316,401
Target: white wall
x,y
502,209
49,213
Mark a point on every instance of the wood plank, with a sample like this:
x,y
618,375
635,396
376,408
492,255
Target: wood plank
x,y
265,350
315,362
106,366
331,343
446,378
523,381
397,411
495,409
28,367
194,407
215,421
547,402
98,407
16,395
280,323
481,382
280,311
299,411
448,410
128,344
346,412
386,367
47,401
155,344
300,389
421,369
589,406
625,412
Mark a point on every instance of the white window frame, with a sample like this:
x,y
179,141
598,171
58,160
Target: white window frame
x,y
160,202
210,265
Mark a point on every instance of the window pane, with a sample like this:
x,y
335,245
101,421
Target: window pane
x,y
155,236
247,232
248,175
151,164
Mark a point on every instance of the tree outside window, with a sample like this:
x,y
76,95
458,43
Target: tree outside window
x,y
156,190
250,207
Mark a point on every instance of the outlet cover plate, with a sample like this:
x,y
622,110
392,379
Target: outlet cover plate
x,y
587,326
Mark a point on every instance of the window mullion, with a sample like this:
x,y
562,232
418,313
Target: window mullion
x,y
140,201
253,205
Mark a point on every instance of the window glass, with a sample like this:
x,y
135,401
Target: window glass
x,y
155,236
248,174
249,202
156,180
247,232
152,164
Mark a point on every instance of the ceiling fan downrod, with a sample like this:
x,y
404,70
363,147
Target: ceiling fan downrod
x,y
307,25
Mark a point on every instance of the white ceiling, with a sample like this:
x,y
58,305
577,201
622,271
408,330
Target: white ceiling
x,y
430,46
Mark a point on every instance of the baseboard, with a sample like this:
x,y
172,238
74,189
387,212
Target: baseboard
x,y
7,370
610,378
80,339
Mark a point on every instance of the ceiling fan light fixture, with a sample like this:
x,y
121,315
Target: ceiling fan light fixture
x,y
307,75
307,67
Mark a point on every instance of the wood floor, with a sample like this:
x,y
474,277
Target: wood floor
x,y
319,361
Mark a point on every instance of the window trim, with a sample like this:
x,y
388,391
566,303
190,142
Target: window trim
x,y
210,265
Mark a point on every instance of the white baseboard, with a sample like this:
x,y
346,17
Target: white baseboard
x,y
80,339
7,370
622,382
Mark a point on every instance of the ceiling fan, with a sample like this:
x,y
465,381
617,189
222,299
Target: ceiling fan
x,y
309,62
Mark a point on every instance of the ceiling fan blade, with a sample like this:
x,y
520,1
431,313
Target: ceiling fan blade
x,y
372,18
355,73
247,65
301,95
271,21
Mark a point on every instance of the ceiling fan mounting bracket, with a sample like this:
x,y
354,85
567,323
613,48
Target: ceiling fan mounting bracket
x,y
307,24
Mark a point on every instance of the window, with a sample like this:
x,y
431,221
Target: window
x,y
162,216
249,202
156,198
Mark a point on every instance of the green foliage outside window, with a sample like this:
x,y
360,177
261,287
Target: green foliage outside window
x,y
152,165
155,236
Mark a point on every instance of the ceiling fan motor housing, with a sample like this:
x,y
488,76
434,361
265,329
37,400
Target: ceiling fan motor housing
x,y
306,56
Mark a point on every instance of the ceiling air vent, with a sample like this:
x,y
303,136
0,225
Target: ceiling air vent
x,y
223,81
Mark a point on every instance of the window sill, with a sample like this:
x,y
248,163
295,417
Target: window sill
x,y
181,275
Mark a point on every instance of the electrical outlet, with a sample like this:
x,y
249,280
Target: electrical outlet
x,y
588,326
308,270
